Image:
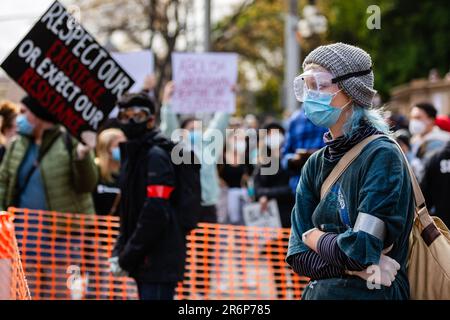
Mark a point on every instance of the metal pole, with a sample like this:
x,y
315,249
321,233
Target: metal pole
x,y
292,54
207,26
206,117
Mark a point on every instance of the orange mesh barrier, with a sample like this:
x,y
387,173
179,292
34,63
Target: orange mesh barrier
x,y
13,284
65,256
238,262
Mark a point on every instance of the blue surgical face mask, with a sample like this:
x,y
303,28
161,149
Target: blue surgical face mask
x,y
115,152
23,125
318,109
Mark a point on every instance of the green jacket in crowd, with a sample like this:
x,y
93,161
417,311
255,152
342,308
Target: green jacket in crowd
x,y
68,181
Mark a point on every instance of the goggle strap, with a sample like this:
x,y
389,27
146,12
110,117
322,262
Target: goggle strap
x,y
144,108
351,75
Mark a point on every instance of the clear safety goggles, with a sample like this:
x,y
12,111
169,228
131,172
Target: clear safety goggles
x,y
320,83
315,82
138,114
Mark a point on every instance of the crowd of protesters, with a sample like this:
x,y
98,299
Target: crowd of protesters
x,y
130,172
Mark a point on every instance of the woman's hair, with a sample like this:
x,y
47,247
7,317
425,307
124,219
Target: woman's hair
x,y
373,116
428,108
8,113
187,121
104,142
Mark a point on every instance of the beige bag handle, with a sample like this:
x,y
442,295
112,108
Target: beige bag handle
x,y
343,164
421,209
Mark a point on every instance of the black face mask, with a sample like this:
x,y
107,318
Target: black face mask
x,y
134,130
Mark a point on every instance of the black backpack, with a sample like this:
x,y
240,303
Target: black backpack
x,y
186,197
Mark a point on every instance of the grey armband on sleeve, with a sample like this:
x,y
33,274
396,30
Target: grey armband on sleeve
x,y
371,225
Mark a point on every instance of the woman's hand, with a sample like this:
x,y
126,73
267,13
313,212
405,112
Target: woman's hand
x,y
383,273
311,238
263,201
168,92
115,268
149,82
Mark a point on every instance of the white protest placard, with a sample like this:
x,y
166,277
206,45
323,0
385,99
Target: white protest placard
x,y
138,64
204,82
254,217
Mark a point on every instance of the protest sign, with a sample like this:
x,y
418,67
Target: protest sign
x,y
138,64
204,82
67,72
270,218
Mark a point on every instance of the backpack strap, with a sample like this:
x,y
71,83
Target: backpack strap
x,y
35,166
344,163
68,143
115,205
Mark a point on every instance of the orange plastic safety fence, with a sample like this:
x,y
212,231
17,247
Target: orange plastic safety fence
x,y
65,256
13,285
239,262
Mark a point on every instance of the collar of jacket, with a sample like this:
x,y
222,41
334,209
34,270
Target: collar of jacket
x,y
150,138
49,136
146,138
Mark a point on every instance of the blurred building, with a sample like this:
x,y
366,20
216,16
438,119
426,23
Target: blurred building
x,y
434,90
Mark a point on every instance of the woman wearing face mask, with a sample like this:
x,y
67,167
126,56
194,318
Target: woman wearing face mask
x,y
363,223
8,127
234,173
107,194
45,168
201,137
273,184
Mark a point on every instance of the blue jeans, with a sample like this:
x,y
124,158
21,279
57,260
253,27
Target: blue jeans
x,y
156,291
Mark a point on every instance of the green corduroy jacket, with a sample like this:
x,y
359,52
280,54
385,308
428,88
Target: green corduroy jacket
x,y
68,181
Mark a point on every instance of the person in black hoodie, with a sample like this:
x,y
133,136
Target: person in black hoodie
x,y
151,246
435,183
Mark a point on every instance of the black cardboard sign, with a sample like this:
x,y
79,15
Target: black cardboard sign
x,y
59,64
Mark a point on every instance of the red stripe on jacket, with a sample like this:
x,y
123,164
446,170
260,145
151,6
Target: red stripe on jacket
x,y
159,191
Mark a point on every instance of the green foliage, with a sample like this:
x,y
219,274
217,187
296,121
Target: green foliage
x,y
414,38
268,98
256,33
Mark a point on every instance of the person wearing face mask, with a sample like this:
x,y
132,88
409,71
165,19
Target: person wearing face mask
x,y
45,168
273,186
107,195
200,141
151,245
303,138
8,115
363,222
234,173
427,137
269,186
